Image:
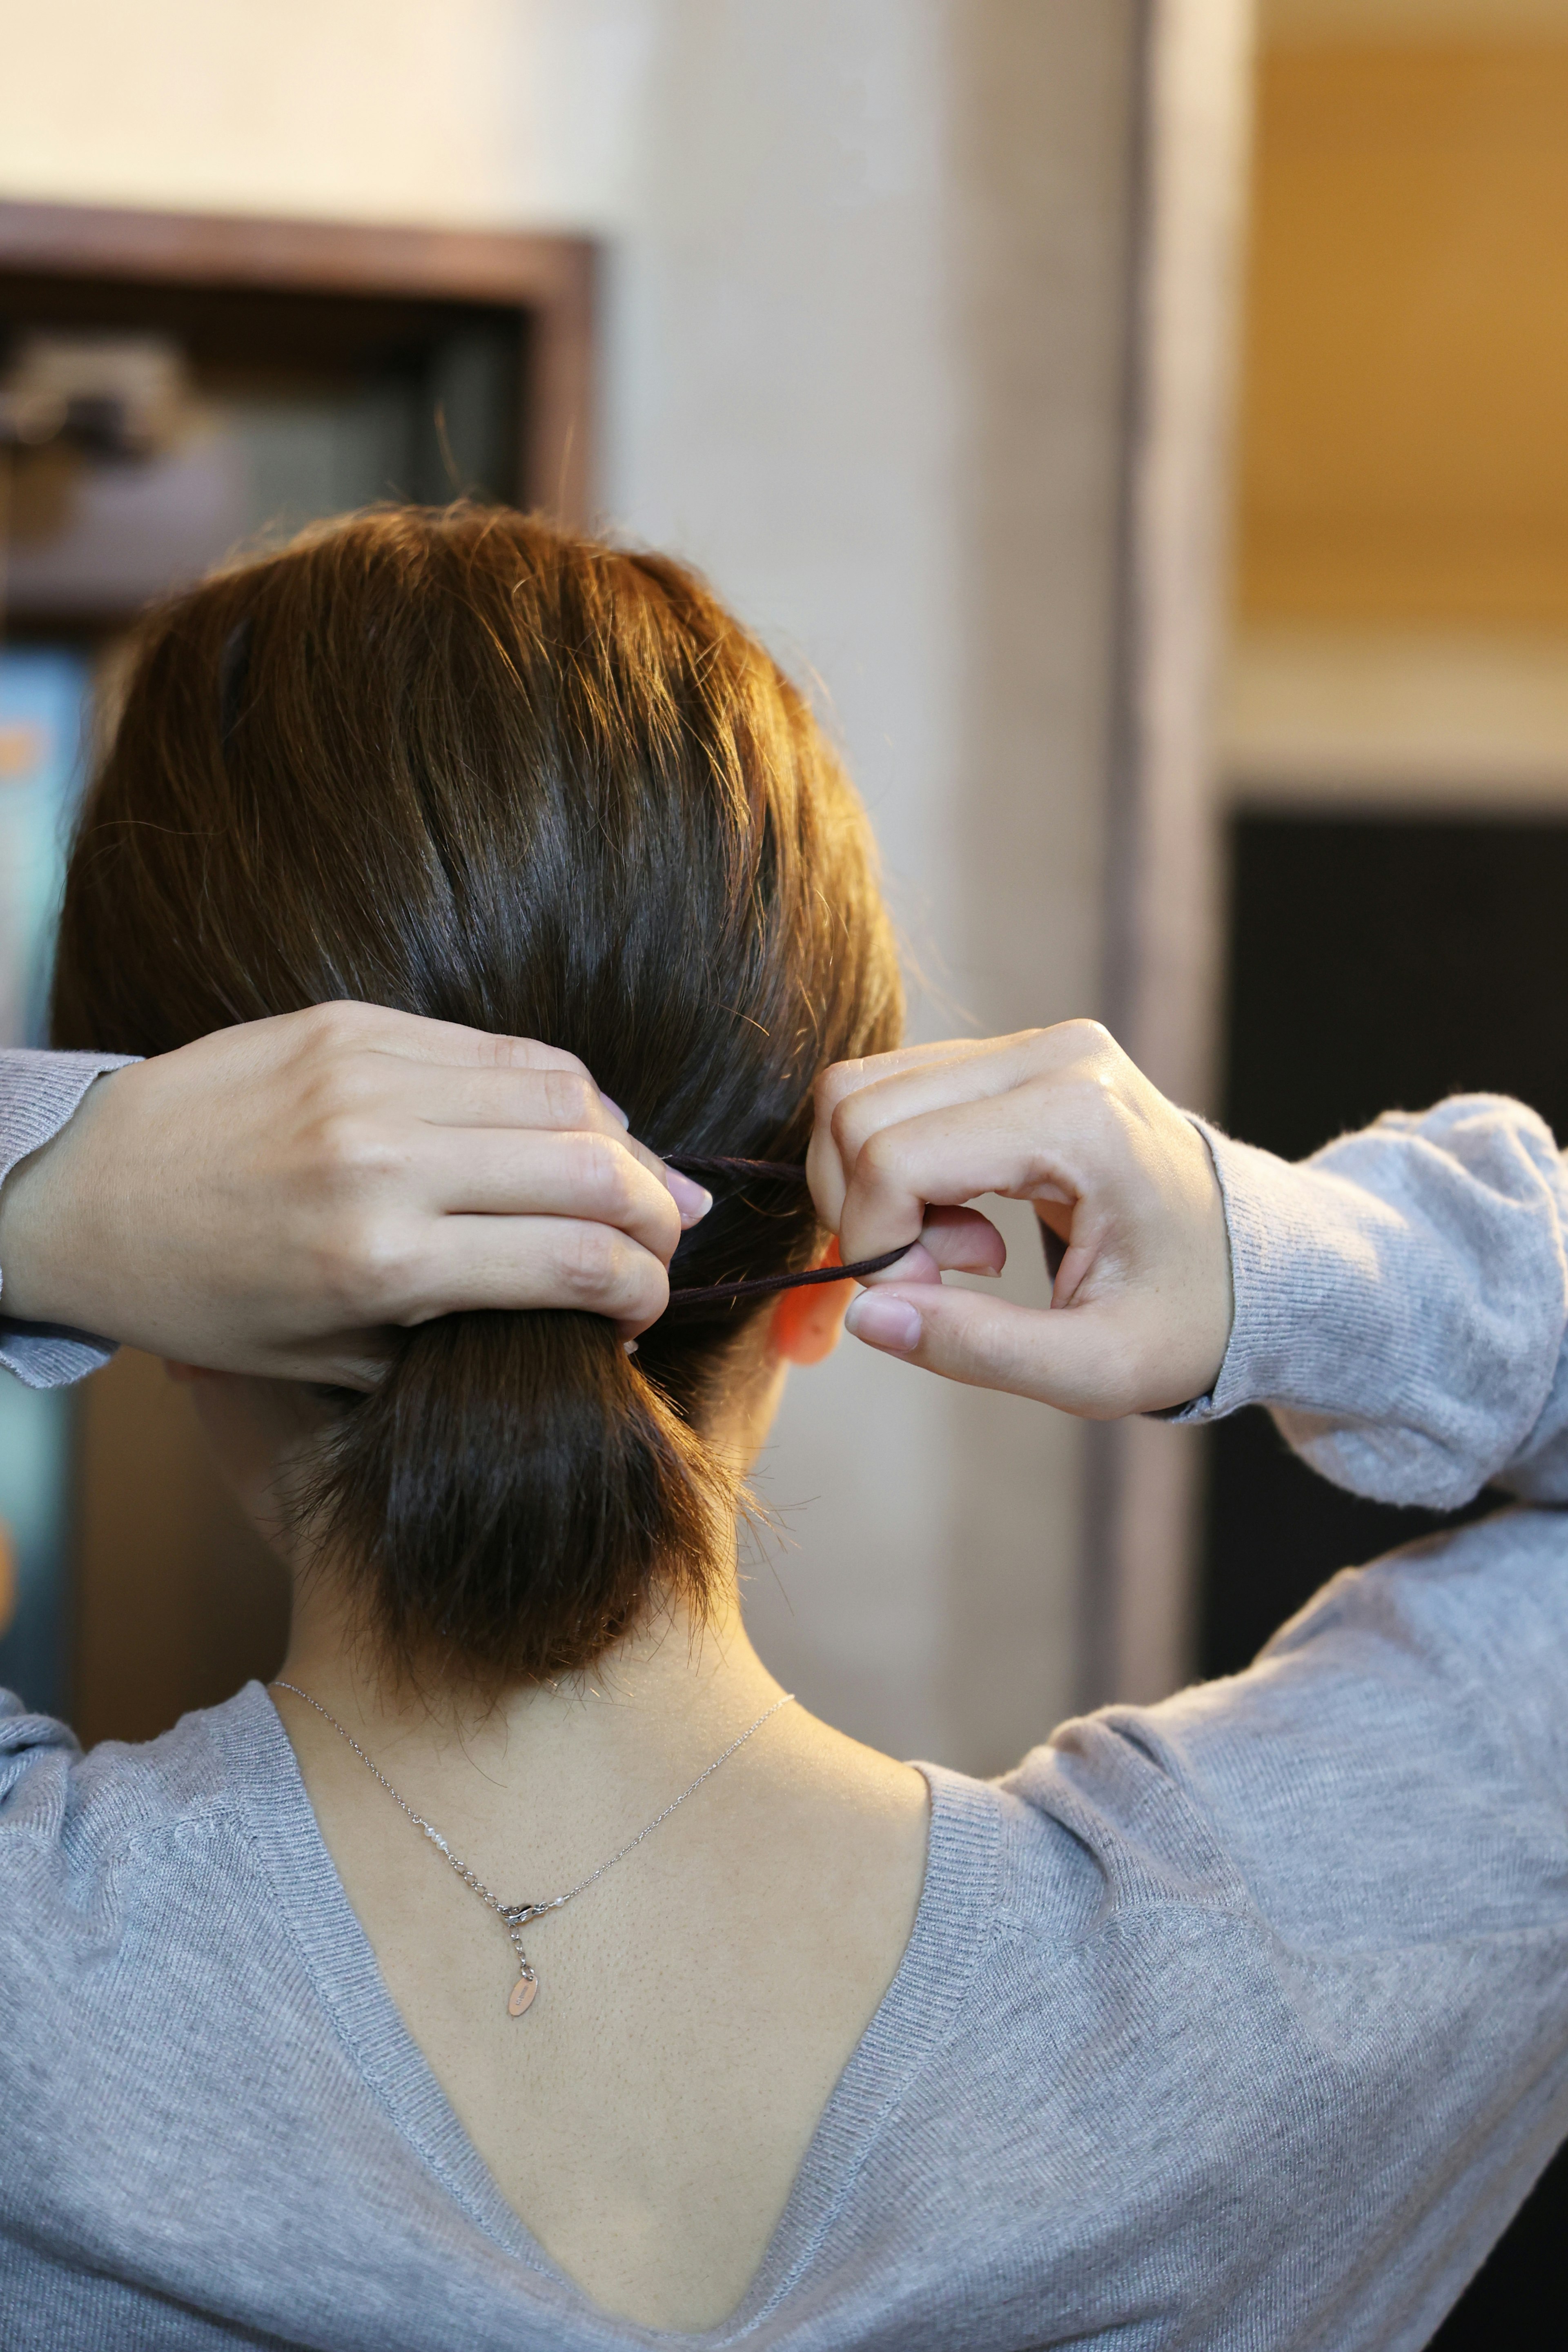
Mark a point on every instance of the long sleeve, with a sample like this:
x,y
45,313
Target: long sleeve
x,y
1402,1300
39,1092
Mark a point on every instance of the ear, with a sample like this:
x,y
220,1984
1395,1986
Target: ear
x,y
806,1322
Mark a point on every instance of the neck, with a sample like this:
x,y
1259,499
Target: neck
x,y
657,1707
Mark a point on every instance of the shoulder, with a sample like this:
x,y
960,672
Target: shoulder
x,y
1393,1767
81,1833
1005,1866
49,1787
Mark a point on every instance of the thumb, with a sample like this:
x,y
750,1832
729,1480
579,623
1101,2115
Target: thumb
x,y
1074,1358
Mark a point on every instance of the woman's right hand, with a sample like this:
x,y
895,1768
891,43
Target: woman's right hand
x,y
1140,1310
272,1198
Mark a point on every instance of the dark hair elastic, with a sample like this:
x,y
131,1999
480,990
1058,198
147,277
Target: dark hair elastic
x,y
770,1172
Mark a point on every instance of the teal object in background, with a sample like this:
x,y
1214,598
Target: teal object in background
x,y
44,705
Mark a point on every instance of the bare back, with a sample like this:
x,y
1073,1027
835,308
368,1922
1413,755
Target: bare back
x,y
647,2117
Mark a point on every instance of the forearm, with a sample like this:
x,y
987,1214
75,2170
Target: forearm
x,y
1401,1303
38,1093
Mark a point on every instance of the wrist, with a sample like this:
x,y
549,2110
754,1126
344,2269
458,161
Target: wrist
x,y
1286,1302
45,1256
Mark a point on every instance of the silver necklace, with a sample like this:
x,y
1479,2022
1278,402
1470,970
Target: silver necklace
x,y
517,1916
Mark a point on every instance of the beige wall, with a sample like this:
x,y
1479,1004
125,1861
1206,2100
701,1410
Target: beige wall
x,y
866,302
370,108
1403,587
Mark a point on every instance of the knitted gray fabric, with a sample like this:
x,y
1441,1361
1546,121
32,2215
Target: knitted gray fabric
x,y
1238,2022
39,1092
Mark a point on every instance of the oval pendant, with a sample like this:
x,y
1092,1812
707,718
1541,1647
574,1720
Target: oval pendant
x,y
523,1992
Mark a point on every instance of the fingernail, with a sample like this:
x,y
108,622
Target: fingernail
x,y
691,1200
620,1114
884,1322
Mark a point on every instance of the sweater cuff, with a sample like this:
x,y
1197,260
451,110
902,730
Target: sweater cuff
x,y
1284,1248
38,1093
47,1355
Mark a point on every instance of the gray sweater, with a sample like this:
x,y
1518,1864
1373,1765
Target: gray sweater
x,y
1241,2021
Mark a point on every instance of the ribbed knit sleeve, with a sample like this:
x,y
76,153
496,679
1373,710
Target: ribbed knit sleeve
x,y
39,1092
1401,1303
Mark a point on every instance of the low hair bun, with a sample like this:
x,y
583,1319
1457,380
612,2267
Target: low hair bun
x,y
516,1489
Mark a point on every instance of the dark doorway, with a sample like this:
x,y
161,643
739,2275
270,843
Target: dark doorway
x,y
1377,964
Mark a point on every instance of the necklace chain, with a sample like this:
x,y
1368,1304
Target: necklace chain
x,y
515,1917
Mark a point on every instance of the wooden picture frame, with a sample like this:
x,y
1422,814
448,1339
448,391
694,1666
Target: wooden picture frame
x,y
547,278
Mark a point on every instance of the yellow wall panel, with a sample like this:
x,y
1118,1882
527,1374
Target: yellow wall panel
x,y
1404,427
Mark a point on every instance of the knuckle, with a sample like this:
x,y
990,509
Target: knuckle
x,y
337,1026
500,1051
833,1085
571,1098
605,1174
507,1052
651,1296
878,1159
587,1261
1097,1046
846,1126
348,1149
332,1070
364,1264
1068,1044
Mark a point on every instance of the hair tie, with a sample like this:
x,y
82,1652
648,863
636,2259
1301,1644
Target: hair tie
x,y
771,1171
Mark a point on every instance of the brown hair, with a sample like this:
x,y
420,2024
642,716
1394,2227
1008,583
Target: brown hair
x,y
465,764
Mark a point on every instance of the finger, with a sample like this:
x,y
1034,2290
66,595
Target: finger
x,y
447,1095
1032,1059
846,1078
952,1240
535,1171
843,1078
930,1073
446,1046
458,1264
856,1100
828,1161
415,1037
1076,1360
558,1098
519,1100
946,1156
563,1100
